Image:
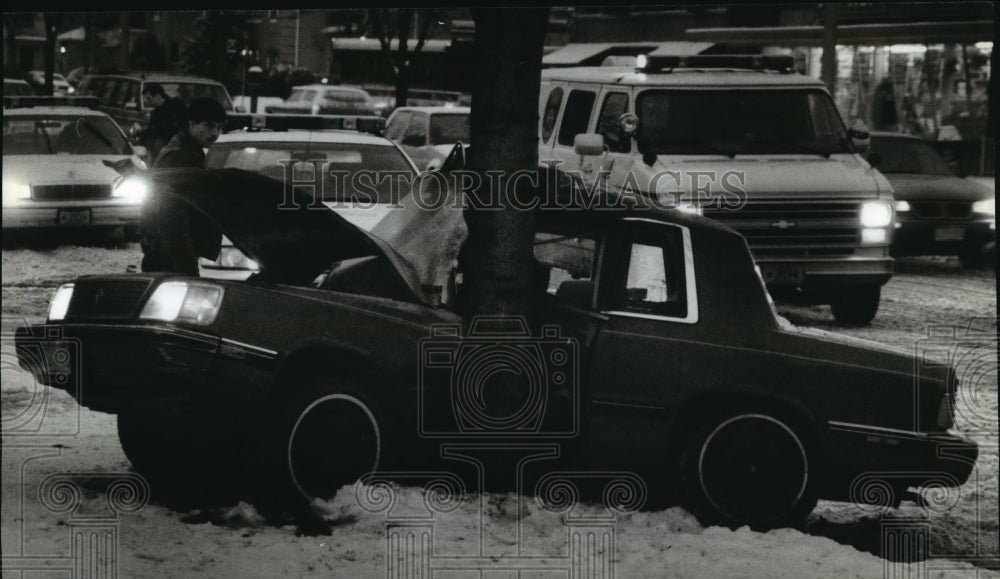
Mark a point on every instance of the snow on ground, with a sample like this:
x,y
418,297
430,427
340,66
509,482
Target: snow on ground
x,y
63,468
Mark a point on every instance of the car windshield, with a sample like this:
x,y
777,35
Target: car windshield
x,y
351,172
190,90
51,135
736,122
301,96
901,155
449,129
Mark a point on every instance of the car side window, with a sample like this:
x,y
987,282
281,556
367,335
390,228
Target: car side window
x,y
576,116
416,131
655,281
129,94
551,113
397,126
615,105
567,267
109,92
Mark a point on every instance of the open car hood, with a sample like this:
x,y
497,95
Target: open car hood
x,y
293,239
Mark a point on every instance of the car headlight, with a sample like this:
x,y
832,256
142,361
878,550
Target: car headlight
x,y
987,206
182,301
876,214
132,188
902,206
14,192
60,302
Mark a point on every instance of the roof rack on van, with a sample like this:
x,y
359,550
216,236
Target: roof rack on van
x,y
283,122
13,102
779,63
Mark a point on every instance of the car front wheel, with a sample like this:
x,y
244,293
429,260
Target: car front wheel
x,y
748,469
856,306
327,436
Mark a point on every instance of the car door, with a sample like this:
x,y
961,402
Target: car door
x,y
649,300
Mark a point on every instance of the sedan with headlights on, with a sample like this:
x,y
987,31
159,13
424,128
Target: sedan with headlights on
x,y
937,212
58,169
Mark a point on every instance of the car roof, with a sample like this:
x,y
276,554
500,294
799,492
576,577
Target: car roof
x,y
687,77
14,81
889,135
440,109
159,77
298,136
319,85
52,112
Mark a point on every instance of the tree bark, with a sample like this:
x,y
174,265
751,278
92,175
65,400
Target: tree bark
x,y
498,260
51,34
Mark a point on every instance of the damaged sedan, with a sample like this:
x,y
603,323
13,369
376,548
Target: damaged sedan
x,y
342,357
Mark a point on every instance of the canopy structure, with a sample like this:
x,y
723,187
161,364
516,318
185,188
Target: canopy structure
x,y
883,34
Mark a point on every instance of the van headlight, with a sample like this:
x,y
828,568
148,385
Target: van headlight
x,y
876,214
132,188
60,302
987,206
183,301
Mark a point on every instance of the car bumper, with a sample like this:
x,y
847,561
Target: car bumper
x,y
864,458
70,215
942,238
106,367
815,274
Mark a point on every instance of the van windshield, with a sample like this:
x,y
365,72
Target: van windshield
x,y
732,122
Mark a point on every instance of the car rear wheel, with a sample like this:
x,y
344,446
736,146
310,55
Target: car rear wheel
x,y
748,469
856,306
328,436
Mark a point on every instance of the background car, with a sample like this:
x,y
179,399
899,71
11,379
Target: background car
x,y
57,173
17,87
324,99
60,86
937,212
364,199
428,134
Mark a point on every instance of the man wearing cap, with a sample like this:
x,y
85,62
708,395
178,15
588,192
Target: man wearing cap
x,y
174,234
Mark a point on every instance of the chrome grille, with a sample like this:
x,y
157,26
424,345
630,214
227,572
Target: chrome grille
x,y
103,298
70,192
783,228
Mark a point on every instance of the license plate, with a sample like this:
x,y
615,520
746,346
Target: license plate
x,y
782,274
72,217
949,233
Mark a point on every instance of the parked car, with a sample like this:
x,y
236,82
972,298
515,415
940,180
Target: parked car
x,y
335,361
341,155
60,86
428,134
17,87
326,99
937,212
57,169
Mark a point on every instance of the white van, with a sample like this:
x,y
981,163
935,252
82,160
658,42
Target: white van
x,y
744,141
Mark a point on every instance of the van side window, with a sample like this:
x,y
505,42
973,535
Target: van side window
x,y
551,112
576,116
615,105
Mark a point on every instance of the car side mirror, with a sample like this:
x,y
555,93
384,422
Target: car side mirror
x,y
860,138
140,151
588,144
455,159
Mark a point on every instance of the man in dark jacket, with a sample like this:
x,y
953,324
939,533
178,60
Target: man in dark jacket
x,y
174,234
169,117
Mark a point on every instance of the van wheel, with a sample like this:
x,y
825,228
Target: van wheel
x,y
748,469
327,436
856,306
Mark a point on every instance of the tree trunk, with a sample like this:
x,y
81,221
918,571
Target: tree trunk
x,y
51,34
498,260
